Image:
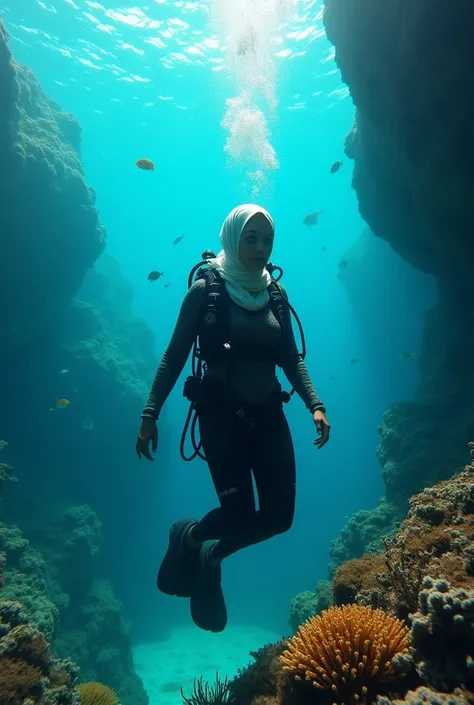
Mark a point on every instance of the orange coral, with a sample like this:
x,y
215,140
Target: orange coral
x,y
346,650
97,694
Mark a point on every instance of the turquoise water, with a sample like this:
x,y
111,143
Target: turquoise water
x,y
233,105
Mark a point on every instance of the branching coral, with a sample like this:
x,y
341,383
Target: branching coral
x,y
348,651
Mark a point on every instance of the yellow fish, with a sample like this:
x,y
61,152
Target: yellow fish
x,y
408,355
61,404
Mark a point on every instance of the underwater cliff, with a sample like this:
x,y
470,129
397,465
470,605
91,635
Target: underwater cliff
x,y
68,332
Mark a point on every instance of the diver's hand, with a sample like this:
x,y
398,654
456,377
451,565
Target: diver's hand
x,y
148,432
323,427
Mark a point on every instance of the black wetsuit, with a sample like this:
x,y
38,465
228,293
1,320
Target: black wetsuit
x,y
242,425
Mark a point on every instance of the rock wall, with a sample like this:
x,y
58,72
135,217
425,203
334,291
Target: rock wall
x,y
50,233
408,68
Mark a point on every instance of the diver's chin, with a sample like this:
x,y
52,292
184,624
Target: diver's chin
x,y
258,265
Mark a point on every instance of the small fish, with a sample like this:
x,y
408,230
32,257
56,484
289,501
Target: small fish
x,y
154,275
64,371
323,248
408,355
333,378
354,360
61,404
335,167
343,263
178,239
145,164
87,424
167,285
312,218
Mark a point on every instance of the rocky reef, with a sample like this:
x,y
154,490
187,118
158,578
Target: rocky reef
x,y
51,233
29,672
408,70
68,332
410,143
65,603
401,628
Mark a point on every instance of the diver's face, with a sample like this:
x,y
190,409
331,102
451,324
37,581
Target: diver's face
x,y
256,243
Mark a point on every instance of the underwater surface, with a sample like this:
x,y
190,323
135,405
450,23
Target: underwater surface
x,y
127,136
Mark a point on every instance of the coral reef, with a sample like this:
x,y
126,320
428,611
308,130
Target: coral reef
x,y
29,672
307,604
419,591
358,580
25,579
91,629
443,634
59,230
364,533
258,683
428,696
61,595
436,539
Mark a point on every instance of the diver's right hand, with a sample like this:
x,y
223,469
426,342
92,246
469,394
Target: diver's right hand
x,y
148,432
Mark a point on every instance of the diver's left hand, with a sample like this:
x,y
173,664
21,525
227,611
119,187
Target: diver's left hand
x,y
323,427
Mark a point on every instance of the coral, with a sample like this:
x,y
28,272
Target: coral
x,y
29,672
59,230
95,635
306,604
357,577
97,694
364,533
347,650
427,696
443,635
25,579
216,694
18,680
258,683
436,538
5,474
91,627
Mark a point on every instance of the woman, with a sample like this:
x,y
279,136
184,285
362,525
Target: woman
x,y
242,425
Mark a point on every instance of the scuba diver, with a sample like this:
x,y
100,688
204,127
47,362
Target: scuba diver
x,y
241,318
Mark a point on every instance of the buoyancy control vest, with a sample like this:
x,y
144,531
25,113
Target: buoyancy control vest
x,y
214,343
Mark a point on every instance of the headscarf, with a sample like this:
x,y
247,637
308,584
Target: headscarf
x,y
247,289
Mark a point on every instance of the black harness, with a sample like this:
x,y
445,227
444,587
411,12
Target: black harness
x,y
214,344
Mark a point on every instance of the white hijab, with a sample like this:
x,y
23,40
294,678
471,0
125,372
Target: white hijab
x,y
247,289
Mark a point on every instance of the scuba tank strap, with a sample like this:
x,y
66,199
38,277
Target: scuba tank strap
x,y
278,307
